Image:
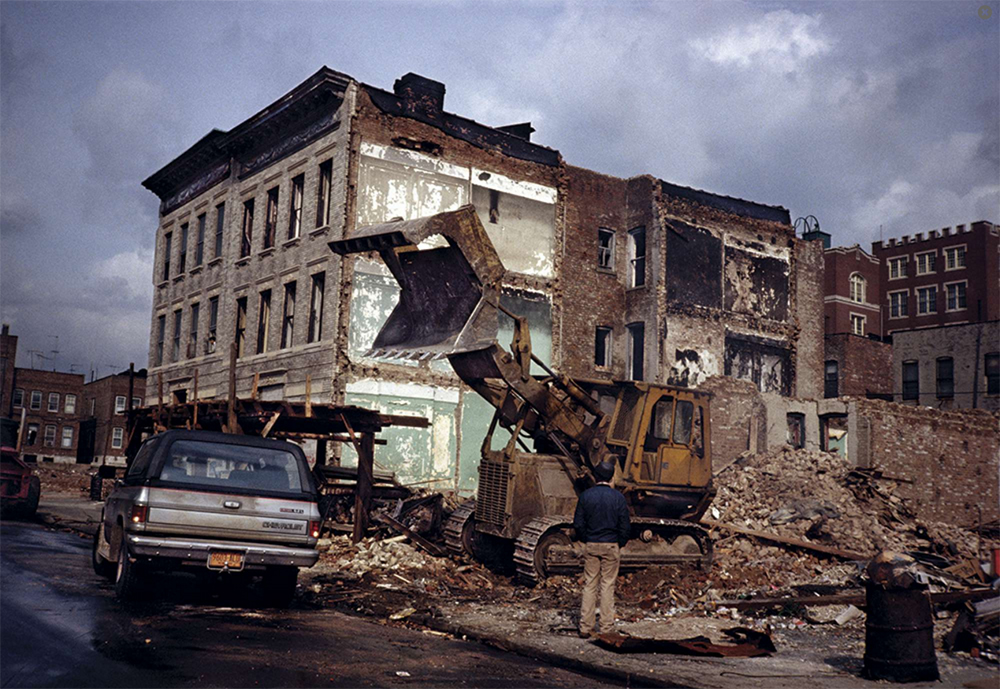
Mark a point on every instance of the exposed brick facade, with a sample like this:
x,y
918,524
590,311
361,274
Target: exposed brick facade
x,y
8,358
948,459
52,429
863,366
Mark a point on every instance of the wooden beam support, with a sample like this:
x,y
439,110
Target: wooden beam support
x,y
363,491
270,424
784,540
309,407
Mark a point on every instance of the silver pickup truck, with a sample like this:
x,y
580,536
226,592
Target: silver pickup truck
x,y
211,502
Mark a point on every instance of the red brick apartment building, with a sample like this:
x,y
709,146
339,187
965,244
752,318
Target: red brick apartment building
x,y
945,277
856,362
52,405
103,434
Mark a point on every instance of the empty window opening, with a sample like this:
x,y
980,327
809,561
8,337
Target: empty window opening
x,y
636,350
945,377
602,347
606,249
637,257
246,239
263,321
911,380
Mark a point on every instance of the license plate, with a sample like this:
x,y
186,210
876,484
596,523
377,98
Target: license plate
x,y
225,559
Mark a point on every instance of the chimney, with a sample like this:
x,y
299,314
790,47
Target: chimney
x,y
6,329
521,131
421,96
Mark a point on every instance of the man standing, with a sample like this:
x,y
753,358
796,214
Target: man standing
x,y
602,524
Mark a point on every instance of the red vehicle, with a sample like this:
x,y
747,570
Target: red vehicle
x,y
19,487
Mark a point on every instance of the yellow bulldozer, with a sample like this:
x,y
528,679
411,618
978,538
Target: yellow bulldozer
x,y
450,280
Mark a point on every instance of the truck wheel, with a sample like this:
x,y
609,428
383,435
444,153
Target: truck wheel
x,y
127,574
102,567
279,585
30,505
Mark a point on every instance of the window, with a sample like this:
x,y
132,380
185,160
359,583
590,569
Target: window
x,y
683,415
161,329
858,288
213,323
120,402
263,320
199,248
246,240
93,405
898,306
117,438
18,397
602,347
241,326
945,377
637,257
659,424
911,380
796,434
288,316
31,436
295,212
193,333
136,402
176,349
636,350
168,247
316,308
50,436
67,436
69,404
831,379
897,268
53,402
605,249
954,258
956,296
926,262
857,324
992,366
36,399
271,218
182,262
220,223
323,193
927,299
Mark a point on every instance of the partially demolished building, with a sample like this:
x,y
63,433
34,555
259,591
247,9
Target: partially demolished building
x,y
625,278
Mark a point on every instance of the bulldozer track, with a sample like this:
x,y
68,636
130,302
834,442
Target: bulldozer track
x,y
455,525
527,541
680,527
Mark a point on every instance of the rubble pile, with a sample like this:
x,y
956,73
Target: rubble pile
x,y
370,555
64,479
817,497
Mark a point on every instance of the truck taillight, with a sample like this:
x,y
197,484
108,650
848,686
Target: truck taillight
x,y
314,529
139,513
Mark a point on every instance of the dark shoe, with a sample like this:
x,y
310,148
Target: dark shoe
x,y
587,635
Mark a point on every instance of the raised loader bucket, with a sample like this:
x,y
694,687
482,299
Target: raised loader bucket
x,y
448,294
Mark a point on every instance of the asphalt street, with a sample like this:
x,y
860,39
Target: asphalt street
x,y
60,626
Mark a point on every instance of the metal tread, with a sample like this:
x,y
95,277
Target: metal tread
x,y
526,543
455,525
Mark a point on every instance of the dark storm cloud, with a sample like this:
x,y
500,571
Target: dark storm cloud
x,y
864,114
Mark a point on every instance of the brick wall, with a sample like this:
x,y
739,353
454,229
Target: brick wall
x,y
738,418
863,365
840,263
58,386
949,459
808,281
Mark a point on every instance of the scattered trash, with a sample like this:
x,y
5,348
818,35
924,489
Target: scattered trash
x,y
402,614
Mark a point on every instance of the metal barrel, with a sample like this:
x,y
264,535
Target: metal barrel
x,y
899,635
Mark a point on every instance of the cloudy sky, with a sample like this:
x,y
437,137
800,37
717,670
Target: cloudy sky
x,y
866,115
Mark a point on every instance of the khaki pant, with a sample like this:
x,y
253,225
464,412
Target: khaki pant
x,y
600,568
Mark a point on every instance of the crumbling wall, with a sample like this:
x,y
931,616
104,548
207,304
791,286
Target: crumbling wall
x,y
947,461
738,417
808,285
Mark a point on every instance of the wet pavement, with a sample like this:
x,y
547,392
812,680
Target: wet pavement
x,y
60,626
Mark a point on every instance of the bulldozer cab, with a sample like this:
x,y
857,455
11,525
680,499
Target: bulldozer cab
x,y
661,433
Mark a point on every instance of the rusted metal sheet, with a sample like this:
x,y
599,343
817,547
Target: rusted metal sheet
x,y
747,643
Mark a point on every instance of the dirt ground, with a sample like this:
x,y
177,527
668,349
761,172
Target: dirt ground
x,y
65,479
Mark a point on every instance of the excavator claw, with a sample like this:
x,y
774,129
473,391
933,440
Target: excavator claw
x,y
449,289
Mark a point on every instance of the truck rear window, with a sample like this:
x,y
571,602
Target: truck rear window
x,y
235,467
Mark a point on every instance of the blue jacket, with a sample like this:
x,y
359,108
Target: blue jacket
x,y
602,516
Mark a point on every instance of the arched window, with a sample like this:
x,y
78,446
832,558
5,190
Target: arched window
x,y
858,287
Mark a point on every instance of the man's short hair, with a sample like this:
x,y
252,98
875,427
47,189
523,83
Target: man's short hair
x,y
605,471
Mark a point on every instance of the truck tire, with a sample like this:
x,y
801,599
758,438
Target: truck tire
x,y
30,505
102,567
279,586
127,579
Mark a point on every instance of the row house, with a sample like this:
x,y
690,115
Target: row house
x,y
50,403
104,429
